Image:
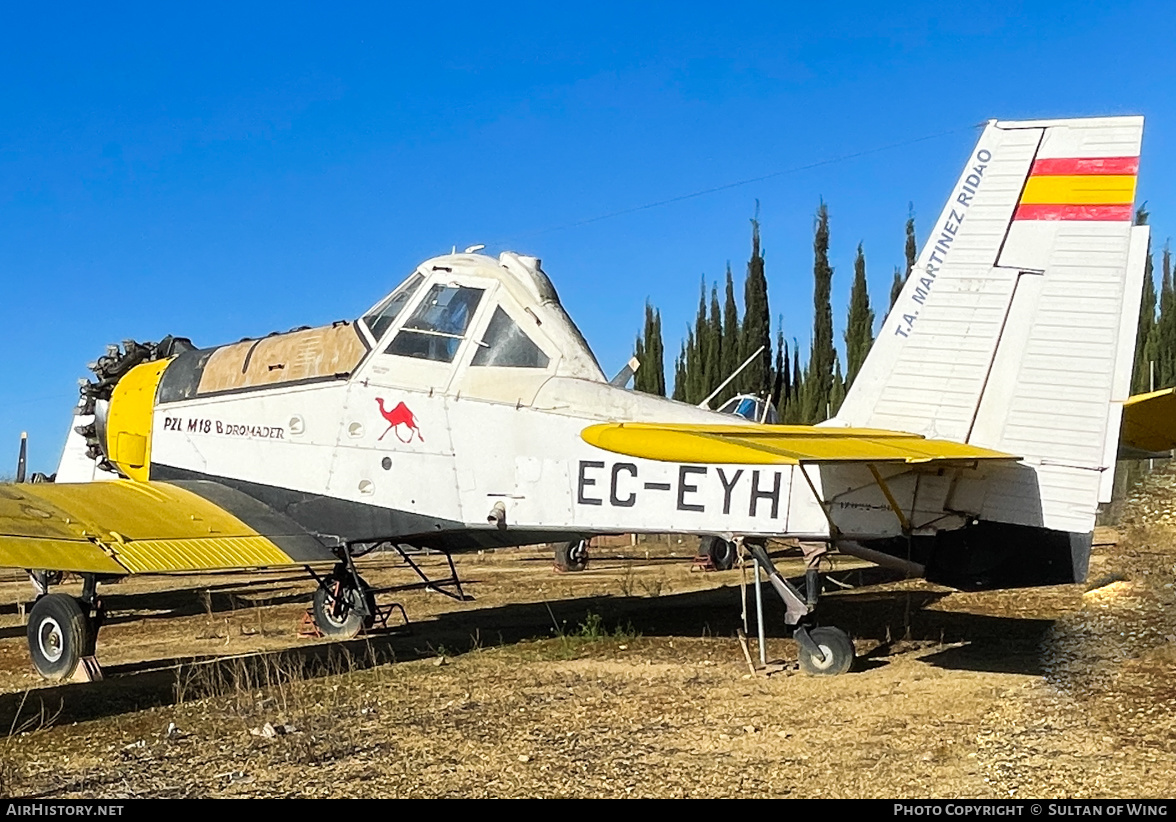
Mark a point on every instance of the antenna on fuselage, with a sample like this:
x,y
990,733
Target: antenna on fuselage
x,y
23,459
625,374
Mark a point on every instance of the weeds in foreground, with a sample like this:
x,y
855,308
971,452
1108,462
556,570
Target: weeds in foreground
x,y
627,580
11,772
592,632
653,587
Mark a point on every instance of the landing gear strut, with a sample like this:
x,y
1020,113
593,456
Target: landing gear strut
x,y
63,632
824,651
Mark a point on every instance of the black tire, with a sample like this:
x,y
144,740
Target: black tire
x,y
59,633
837,650
571,556
721,552
344,621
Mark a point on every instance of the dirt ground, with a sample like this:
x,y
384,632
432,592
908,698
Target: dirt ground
x,y
624,680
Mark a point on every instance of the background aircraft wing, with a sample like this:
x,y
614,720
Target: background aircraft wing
x,y
144,527
778,444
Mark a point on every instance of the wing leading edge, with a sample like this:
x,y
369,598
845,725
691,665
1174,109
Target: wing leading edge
x,y
779,444
146,527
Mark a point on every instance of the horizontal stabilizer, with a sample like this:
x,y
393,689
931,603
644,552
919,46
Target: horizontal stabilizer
x,y
1149,422
778,444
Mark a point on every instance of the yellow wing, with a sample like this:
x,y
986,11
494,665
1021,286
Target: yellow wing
x,y
1149,422
138,527
778,444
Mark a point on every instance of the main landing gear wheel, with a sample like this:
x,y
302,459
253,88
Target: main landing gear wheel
x,y
60,634
836,652
339,608
721,552
571,556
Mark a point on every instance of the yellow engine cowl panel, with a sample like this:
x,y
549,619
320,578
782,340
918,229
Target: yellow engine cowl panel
x,y
128,422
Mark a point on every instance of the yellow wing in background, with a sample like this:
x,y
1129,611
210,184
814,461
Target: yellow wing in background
x,y
141,527
778,444
1149,422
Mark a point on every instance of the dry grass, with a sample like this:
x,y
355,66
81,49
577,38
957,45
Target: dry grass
x,y
1047,692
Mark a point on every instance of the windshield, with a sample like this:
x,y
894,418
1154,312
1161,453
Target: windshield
x,y
437,327
753,409
384,314
507,345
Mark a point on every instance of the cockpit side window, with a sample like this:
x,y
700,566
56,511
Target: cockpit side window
x,y
437,327
505,344
383,315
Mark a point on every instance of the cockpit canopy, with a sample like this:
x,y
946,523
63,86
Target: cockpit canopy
x,y
506,310
751,408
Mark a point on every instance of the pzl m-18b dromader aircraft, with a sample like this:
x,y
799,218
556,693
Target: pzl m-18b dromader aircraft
x,y
465,410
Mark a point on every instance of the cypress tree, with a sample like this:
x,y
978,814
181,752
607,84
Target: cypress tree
x,y
700,379
1145,339
786,389
714,357
911,251
795,396
657,353
639,353
819,381
1165,348
757,320
837,392
691,367
680,376
651,377
731,349
859,327
639,380
780,372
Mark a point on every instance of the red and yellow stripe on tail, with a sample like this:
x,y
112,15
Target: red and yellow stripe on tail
x,y
1079,188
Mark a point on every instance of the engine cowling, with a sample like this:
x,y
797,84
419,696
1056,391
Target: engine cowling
x,y
122,402
126,432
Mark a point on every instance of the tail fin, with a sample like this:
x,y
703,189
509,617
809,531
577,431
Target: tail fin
x,y
1016,329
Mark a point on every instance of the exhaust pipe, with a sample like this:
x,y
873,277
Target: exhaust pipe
x,y
497,515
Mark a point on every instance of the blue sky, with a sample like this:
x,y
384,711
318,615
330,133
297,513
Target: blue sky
x,y
223,171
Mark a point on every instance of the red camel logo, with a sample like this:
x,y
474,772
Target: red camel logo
x,y
400,419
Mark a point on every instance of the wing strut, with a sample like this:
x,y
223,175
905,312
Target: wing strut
x,y
902,518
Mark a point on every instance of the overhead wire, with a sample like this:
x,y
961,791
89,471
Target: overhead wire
x,y
727,186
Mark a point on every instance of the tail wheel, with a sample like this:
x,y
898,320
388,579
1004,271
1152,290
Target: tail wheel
x,y
571,556
722,553
339,607
59,634
836,652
